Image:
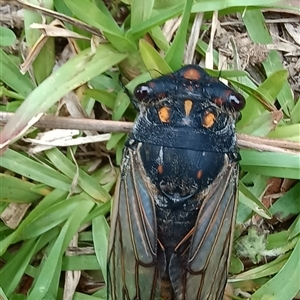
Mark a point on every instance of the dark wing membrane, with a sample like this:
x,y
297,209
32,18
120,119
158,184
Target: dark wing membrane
x,y
132,269
210,247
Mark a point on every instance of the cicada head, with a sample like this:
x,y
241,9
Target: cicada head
x,y
189,99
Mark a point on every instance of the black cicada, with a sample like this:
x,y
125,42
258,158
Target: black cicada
x,y
174,209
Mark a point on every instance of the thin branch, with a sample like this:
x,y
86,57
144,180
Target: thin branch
x,y
244,140
54,122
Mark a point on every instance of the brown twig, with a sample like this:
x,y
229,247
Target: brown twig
x,y
244,140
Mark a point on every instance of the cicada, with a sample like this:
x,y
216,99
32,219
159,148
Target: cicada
x,y
174,207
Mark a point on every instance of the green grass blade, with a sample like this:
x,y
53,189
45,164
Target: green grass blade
x,y
174,56
29,168
78,70
156,20
262,271
100,238
7,37
141,11
85,181
2,294
289,274
43,64
13,270
288,205
271,164
88,12
43,282
257,30
17,190
212,5
53,216
50,199
11,75
153,60
249,199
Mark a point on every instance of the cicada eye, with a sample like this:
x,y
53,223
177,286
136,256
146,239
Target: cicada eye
x,y
236,101
142,91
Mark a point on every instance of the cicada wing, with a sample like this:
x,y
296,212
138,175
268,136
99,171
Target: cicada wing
x,y
132,256
208,260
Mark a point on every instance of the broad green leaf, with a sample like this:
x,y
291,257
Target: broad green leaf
x,y
261,125
122,101
285,97
121,104
7,37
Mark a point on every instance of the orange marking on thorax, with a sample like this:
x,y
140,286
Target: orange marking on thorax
x,y
160,169
192,74
199,174
208,120
164,114
188,104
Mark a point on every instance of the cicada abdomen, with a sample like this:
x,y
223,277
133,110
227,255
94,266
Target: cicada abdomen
x,y
174,208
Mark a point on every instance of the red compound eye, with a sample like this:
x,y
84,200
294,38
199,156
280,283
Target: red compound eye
x,y
142,91
236,101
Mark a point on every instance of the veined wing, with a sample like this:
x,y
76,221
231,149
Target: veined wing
x,y
132,258
209,252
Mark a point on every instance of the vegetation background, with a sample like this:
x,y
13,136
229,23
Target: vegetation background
x,y
62,134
